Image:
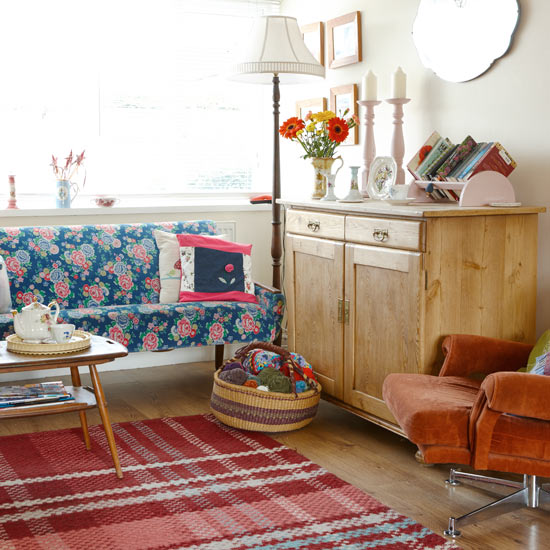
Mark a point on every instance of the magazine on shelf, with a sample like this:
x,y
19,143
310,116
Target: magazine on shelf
x,y
45,392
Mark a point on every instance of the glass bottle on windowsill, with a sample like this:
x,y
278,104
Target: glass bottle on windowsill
x,y
12,202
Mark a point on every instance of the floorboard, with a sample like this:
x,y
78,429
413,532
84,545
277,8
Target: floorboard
x,y
371,458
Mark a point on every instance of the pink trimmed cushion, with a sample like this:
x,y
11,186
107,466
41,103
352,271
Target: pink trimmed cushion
x,y
213,269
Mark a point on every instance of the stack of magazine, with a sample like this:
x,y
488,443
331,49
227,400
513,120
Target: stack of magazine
x,y
33,394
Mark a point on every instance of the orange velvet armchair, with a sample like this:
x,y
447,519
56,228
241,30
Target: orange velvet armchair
x,y
479,412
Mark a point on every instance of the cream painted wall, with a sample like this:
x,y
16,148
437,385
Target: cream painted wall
x,y
509,103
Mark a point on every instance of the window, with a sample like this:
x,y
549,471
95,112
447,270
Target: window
x,y
138,84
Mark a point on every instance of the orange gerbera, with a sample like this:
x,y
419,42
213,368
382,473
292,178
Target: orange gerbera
x,y
289,128
337,129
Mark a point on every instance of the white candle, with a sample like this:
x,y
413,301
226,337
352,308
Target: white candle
x,y
399,84
370,83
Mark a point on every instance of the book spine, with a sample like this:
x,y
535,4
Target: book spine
x,y
475,159
497,159
461,152
440,159
452,177
440,147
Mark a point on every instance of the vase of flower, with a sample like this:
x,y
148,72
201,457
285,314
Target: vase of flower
x,y
64,186
322,167
319,138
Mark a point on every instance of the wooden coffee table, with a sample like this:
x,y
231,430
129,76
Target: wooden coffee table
x,y
102,350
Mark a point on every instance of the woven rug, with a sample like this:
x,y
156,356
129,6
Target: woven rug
x,y
190,483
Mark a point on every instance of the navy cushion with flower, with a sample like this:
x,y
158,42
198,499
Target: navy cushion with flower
x,y
215,269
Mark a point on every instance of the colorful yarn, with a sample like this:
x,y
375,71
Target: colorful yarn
x,y
233,376
301,386
255,378
258,359
262,388
251,383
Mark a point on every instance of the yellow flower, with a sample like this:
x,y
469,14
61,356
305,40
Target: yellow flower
x,y
323,116
310,127
299,132
320,132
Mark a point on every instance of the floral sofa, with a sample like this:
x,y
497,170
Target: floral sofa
x,y
106,281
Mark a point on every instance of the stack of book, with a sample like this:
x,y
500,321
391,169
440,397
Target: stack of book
x,y
440,160
33,394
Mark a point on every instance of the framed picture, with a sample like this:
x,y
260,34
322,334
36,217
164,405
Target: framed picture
x,y
342,98
314,105
344,40
314,37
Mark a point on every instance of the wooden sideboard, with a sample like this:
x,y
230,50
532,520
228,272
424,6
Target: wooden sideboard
x,y
373,288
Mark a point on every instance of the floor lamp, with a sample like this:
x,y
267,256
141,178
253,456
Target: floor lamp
x,y
276,48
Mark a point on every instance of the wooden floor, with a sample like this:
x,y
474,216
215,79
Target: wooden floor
x,y
371,458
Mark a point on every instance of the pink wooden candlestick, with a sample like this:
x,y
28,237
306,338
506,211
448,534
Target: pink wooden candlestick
x,y
397,142
369,146
12,202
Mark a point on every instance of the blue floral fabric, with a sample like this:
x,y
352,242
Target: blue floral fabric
x,y
106,281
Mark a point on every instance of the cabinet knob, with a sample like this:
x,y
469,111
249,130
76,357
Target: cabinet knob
x,y
314,225
380,235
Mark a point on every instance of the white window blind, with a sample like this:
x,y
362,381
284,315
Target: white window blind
x,y
139,84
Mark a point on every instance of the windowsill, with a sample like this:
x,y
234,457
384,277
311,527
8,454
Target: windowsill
x,y
40,206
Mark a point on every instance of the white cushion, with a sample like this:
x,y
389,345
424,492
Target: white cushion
x,y
169,265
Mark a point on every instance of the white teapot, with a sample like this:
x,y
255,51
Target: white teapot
x,y
32,323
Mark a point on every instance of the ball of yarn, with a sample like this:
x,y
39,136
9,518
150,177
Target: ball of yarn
x,y
262,388
301,386
275,380
232,365
251,383
233,376
255,378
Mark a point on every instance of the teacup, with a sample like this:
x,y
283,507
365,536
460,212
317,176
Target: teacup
x,y
399,192
105,201
62,332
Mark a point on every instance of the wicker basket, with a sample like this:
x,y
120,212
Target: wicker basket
x,y
251,409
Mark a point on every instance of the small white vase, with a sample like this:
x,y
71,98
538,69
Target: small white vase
x,y
330,196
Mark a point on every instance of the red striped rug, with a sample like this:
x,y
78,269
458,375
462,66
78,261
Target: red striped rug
x,y
188,483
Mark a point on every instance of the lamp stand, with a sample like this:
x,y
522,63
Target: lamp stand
x,y
276,244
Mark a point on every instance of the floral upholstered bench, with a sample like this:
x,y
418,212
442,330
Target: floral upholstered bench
x,y
106,281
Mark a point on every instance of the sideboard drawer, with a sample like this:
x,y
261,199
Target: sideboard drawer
x,y
405,234
330,226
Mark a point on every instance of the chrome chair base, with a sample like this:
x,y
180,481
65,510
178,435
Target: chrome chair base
x,y
531,493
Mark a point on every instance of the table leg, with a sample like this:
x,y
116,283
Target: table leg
x,y
75,376
102,406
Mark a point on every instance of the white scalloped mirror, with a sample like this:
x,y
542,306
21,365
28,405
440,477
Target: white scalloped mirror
x,y
460,39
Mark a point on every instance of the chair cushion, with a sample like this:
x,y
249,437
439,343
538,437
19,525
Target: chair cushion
x,y
439,412
541,347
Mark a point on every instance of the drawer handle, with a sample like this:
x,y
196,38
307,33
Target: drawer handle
x,y
314,226
380,235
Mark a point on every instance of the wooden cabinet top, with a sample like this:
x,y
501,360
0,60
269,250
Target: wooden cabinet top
x,y
418,210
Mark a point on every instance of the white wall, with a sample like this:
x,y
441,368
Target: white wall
x,y
509,103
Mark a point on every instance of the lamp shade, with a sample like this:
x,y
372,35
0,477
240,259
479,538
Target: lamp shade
x,y
276,46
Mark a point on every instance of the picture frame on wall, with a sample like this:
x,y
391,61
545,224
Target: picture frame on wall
x,y
314,38
314,105
344,40
342,98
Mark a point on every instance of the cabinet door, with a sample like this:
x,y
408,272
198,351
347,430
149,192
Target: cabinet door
x,y
382,336
314,285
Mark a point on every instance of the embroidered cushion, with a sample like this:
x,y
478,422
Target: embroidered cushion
x,y
541,348
214,269
5,296
542,365
169,265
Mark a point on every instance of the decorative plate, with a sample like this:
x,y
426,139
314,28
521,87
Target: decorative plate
x,y
383,171
79,341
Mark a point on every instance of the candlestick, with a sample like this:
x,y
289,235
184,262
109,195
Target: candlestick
x,y
397,142
399,84
369,147
370,85
12,203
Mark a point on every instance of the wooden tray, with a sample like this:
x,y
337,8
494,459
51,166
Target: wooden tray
x,y
79,341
